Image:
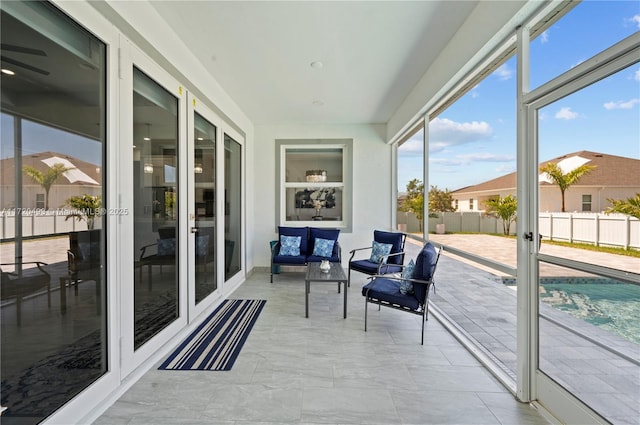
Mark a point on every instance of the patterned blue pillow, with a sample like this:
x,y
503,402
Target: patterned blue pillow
x,y
290,245
166,247
323,247
407,273
202,246
378,251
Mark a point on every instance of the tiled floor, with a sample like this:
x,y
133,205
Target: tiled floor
x,y
327,370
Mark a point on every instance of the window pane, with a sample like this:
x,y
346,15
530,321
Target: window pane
x,y
314,165
52,229
472,160
314,204
590,157
204,170
155,175
586,30
410,184
233,205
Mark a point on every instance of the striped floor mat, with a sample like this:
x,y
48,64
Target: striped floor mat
x,y
216,343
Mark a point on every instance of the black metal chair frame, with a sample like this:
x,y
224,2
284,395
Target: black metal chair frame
x,y
22,286
423,309
383,264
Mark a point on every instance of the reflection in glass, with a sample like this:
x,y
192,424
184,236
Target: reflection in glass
x,y
155,172
53,325
204,169
233,205
314,203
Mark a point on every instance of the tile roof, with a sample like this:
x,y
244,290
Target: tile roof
x,y
611,170
35,161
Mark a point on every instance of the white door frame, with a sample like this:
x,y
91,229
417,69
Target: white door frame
x,y
131,56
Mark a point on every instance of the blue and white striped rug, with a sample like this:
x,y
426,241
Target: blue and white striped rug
x,y
216,343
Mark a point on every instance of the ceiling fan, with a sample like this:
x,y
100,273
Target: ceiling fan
x,y
23,50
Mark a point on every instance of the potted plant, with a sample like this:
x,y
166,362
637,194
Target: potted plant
x,y
86,207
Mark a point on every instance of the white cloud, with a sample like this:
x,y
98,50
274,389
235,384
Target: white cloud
x,y
503,72
505,169
412,147
636,76
486,157
566,114
469,158
636,20
544,37
444,132
621,105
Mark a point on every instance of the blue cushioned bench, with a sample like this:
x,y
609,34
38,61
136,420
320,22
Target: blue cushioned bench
x,y
314,245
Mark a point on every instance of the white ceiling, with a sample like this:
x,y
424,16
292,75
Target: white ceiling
x,y
373,52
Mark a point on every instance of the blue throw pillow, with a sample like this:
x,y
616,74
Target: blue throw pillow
x,y
378,251
290,245
202,246
166,247
323,247
395,239
407,273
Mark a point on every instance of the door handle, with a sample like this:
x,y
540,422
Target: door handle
x,y
194,230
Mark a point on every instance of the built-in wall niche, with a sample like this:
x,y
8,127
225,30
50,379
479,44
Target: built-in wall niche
x,y
314,182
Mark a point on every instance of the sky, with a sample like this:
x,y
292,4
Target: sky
x,y
474,140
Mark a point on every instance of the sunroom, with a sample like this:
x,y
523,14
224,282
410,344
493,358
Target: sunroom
x,y
151,149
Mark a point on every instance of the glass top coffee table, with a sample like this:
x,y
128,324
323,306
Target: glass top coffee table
x,y
335,275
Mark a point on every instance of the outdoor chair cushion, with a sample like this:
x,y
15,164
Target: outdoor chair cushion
x,y
328,234
366,266
296,231
393,238
386,289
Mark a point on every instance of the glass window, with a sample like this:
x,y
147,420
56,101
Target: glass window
x,y
588,142
233,206
204,177
569,41
53,327
314,183
155,176
410,183
40,201
472,163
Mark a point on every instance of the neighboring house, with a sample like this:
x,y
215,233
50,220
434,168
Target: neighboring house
x,y
614,177
84,178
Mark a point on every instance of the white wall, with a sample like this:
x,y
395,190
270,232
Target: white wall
x,y
371,183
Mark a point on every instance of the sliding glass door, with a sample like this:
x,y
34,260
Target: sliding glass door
x,y
233,205
203,216
53,177
588,300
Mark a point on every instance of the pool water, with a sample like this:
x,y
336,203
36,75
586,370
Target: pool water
x,y
610,305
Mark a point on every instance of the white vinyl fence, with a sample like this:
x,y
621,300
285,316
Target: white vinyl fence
x,y
40,222
615,230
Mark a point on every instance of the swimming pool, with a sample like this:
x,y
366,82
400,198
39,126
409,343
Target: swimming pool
x,y
608,304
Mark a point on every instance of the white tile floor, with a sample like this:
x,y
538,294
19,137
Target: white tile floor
x,y
327,370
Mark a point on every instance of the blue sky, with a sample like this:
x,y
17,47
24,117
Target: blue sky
x,y
474,140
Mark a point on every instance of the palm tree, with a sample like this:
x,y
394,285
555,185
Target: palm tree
x,y
86,207
504,208
46,179
630,206
564,180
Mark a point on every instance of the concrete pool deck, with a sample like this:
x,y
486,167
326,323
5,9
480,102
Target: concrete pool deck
x,y
597,366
